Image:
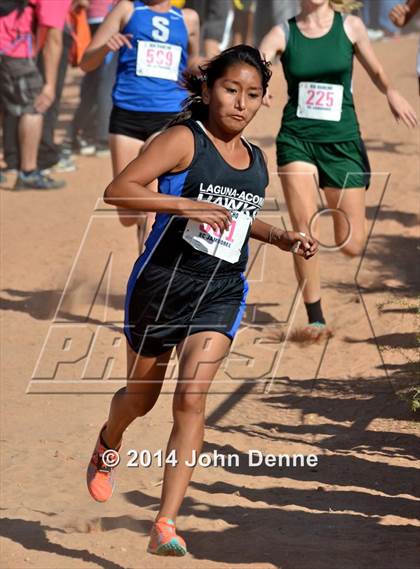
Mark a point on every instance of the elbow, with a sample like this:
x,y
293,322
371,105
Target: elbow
x,y
85,65
108,195
115,193
88,62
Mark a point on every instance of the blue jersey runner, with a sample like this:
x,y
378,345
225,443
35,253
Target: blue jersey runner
x,y
148,75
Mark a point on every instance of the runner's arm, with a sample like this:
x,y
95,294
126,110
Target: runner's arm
x,y
108,37
357,33
265,232
286,240
192,21
170,152
401,14
414,7
273,44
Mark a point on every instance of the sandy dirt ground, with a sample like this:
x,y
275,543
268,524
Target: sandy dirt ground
x,y
65,262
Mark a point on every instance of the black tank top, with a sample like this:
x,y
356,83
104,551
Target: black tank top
x,y
209,177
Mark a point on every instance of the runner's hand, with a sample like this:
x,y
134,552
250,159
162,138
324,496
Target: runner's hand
x,y
401,109
400,14
298,243
45,99
117,41
217,216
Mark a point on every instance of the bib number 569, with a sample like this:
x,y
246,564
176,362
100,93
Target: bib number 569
x,y
159,57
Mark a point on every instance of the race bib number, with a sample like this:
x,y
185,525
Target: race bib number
x,y
160,60
227,245
321,101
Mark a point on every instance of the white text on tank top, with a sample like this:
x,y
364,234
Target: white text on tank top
x,y
226,245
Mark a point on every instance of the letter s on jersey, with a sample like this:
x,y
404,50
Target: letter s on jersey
x,y
160,28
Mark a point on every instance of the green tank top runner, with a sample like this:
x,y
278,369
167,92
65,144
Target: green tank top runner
x,y
319,72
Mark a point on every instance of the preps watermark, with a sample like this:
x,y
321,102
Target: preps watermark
x,y
252,459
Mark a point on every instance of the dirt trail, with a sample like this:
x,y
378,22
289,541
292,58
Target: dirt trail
x,y
356,510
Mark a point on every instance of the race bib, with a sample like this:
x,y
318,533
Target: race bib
x,y
321,101
226,246
160,60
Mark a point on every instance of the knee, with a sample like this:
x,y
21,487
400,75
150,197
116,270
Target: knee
x,y
189,403
128,220
140,406
354,248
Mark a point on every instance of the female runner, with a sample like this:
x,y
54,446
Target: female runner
x,y
188,289
319,140
156,43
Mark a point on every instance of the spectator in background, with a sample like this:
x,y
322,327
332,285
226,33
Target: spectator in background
x,y
89,129
243,23
214,22
400,15
24,93
51,154
224,23
375,17
271,13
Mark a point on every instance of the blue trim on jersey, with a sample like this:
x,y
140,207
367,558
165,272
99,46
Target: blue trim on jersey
x,y
151,94
171,185
242,308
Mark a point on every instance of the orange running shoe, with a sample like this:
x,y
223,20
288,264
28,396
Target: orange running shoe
x,y
100,476
164,539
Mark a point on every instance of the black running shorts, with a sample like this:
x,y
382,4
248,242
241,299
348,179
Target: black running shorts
x,y
164,307
136,124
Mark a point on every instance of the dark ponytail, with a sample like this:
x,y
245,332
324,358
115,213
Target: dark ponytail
x,y
194,107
